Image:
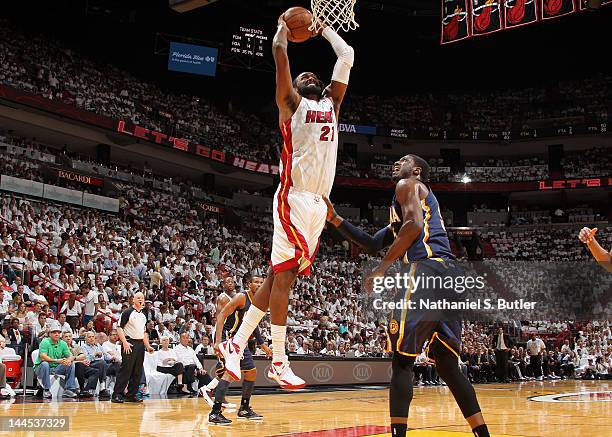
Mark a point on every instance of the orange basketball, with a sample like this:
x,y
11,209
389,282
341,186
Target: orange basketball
x,y
298,21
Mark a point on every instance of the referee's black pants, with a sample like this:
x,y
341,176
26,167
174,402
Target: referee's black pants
x,y
130,371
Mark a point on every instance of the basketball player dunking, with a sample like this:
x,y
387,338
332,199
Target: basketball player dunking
x,y
416,234
308,115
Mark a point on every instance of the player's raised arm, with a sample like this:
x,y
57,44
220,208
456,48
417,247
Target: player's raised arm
x,y
287,98
371,244
407,194
342,69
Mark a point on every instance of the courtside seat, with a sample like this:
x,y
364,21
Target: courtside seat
x,y
57,381
157,382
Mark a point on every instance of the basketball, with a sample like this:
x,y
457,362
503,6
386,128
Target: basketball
x,y
298,21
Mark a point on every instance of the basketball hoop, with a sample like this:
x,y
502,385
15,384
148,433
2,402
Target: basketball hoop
x,y
337,14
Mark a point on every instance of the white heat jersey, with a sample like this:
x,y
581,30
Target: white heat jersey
x,y
310,149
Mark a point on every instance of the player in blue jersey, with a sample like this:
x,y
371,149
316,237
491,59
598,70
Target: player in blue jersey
x,y
416,236
229,319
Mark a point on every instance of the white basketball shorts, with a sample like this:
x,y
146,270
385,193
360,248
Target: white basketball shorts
x,y
299,219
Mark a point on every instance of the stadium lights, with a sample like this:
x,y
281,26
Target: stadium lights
x,y
466,179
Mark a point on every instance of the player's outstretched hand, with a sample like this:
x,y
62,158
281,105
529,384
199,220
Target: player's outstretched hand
x,y
332,215
372,281
282,23
586,235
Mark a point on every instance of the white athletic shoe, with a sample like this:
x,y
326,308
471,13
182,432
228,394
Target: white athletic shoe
x,y
207,395
281,373
231,354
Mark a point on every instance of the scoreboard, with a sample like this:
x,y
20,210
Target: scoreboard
x,y
249,41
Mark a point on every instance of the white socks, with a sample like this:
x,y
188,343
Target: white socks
x,y
279,335
248,325
212,384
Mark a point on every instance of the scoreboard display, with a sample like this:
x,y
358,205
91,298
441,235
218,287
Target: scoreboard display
x,y
249,41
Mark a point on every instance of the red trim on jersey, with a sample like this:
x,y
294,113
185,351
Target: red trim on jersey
x,y
294,236
285,265
306,271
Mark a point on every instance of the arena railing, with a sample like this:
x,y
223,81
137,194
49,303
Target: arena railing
x,y
61,291
171,291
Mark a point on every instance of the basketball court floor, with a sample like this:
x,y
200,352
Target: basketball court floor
x,y
563,408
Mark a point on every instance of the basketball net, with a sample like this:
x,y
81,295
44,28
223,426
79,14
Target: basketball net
x,y
337,14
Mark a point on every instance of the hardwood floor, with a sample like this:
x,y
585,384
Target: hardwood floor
x,y
510,410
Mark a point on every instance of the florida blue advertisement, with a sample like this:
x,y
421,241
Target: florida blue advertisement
x,y
189,58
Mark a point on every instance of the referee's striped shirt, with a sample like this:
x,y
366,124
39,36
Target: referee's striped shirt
x,y
133,323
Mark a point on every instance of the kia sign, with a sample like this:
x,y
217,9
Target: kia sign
x,y
189,58
322,372
362,372
326,371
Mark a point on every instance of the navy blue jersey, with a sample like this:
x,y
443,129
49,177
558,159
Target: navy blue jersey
x,y
433,240
232,323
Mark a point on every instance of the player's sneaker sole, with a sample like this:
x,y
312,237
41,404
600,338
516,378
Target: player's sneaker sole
x,y
228,353
206,396
284,384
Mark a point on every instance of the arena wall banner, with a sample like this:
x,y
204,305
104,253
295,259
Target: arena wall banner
x,y
520,12
575,183
77,177
194,148
356,129
22,186
61,194
455,23
318,371
486,17
100,202
209,207
556,8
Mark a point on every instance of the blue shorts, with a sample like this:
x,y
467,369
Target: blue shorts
x,y
410,329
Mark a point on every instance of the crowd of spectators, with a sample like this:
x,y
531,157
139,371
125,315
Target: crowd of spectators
x,y
550,243
86,265
41,65
560,103
588,355
587,163
581,214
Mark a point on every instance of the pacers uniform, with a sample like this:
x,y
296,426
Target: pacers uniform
x,y
430,257
307,170
230,327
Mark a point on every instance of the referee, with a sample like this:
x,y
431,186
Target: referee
x,y
133,336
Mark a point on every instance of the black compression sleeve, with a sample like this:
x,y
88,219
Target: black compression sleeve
x,y
382,238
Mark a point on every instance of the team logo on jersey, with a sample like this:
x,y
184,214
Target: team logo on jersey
x,y
319,117
393,327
